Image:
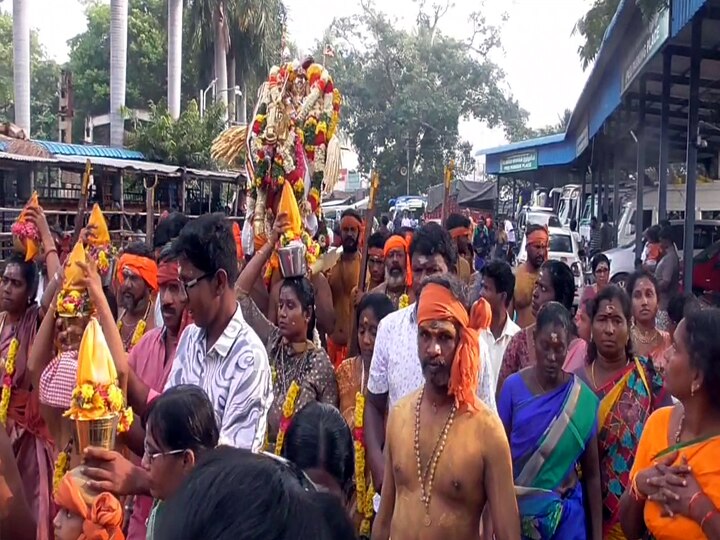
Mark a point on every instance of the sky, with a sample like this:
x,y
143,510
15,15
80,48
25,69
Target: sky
x,y
539,52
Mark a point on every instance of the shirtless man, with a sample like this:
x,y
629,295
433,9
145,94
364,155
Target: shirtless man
x,y
398,274
446,453
536,247
343,279
459,228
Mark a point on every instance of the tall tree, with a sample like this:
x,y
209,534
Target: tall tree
x,y
146,60
44,83
118,69
406,91
175,32
591,26
21,63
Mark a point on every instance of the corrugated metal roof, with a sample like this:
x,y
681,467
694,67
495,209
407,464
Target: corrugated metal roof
x,y
122,164
682,12
522,145
89,150
26,159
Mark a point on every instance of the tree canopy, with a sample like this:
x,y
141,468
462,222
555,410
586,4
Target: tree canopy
x,y
186,141
44,82
591,26
406,91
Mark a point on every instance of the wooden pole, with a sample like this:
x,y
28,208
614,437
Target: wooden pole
x,y
82,202
150,217
449,173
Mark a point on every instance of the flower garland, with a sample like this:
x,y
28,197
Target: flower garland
x,y
138,333
103,255
7,381
62,464
73,302
288,410
364,492
404,301
94,401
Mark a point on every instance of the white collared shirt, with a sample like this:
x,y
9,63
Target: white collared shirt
x,y
234,373
496,347
395,367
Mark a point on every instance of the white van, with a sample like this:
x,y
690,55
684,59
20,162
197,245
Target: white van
x,y
707,206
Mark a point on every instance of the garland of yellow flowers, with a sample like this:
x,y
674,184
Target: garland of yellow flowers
x,y
7,381
404,301
288,410
139,331
62,465
364,492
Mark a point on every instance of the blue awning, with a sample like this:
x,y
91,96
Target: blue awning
x,y
88,150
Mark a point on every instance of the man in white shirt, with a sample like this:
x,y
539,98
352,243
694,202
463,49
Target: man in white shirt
x,y
395,369
496,286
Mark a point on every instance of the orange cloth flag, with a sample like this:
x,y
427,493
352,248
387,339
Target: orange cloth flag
x,y
288,205
73,273
102,515
438,303
95,363
101,234
237,234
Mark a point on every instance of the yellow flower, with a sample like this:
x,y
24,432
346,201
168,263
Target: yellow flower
x,y
115,398
404,301
103,261
138,333
321,128
74,294
87,392
61,467
289,405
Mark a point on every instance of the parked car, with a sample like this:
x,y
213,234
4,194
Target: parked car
x,y
622,259
562,247
706,270
537,215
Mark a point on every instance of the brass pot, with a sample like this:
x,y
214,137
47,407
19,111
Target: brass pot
x,y
100,432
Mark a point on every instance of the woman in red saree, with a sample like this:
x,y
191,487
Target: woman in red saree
x,y
19,405
629,389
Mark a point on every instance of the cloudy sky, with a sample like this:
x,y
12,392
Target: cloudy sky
x,y
539,53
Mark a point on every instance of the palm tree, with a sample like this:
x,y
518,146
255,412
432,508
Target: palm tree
x,y
118,69
21,63
175,19
239,38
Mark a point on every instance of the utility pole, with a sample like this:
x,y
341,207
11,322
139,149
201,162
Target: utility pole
x,y
407,151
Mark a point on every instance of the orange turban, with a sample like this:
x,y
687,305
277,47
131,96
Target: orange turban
x,y
237,234
459,232
438,303
102,518
351,221
142,266
399,242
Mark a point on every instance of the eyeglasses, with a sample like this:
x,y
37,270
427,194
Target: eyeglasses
x,y
187,285
152,457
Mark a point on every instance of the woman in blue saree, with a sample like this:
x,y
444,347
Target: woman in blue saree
x,y
551,420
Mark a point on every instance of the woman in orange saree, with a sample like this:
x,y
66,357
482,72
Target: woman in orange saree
x,y
629,389
675,488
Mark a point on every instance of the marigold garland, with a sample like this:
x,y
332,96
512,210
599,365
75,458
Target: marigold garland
x,y
7,381
138,333
404,301
288,410
364,492
62,464
93,401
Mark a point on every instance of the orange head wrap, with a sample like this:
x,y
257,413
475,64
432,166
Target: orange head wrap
x,y
459,232
399,242
438,303
349,221
539,238
237,234
103,517
142,266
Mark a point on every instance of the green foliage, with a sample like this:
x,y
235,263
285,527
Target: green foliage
x,y
44,76
185,142
146,61
591,26
410,89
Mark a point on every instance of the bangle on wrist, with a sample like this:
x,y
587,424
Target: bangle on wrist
x,y
693,500
634,492
707,517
